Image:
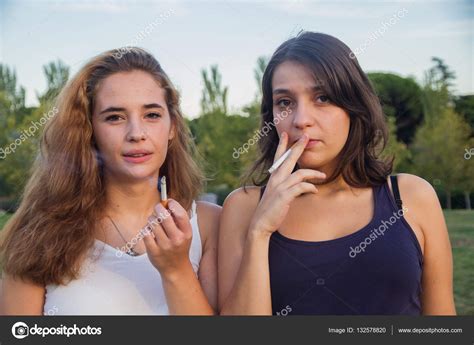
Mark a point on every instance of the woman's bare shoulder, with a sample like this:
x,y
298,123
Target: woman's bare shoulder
x,y
243,199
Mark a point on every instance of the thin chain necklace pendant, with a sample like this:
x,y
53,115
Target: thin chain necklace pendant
x,y
131,252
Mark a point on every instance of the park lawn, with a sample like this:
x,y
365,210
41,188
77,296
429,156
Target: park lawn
x,y
461,232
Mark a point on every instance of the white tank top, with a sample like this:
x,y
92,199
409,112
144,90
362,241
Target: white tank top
x,y
116,285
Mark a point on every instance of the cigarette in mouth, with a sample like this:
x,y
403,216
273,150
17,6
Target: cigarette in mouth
x,y
163,194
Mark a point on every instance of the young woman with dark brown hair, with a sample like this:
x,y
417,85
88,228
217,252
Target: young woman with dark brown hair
x,y
330,231
74,246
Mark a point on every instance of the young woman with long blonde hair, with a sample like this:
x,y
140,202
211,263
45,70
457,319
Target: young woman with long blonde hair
x,y
74,245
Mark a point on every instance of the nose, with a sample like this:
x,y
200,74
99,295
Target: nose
x,y
136,131
303,116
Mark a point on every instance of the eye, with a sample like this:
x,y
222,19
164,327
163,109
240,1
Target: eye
x,y
284,103
322,99
153,115
113,118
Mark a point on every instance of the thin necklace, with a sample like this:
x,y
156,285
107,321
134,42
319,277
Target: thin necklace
x,y
130,250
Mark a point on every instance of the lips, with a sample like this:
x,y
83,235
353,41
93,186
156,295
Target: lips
x,y
137,156
136,153
312,141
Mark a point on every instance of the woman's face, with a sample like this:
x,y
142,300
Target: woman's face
x,y
132,125
309,111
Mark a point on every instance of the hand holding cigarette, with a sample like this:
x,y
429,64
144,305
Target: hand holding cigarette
x,y
283,186
170,235
170,238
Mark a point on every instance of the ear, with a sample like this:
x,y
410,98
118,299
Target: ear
x,y
172,132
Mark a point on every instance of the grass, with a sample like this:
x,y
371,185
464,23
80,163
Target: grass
x,y
461,232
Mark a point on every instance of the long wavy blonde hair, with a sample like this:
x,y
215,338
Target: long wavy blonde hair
x,y
45,240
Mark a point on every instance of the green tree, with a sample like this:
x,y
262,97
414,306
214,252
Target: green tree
x,y
18,132
467,183
258,72
400,98
253,109
395,148
12,96
225,141
12,112
214,95
56,74
436,93
465,106
439,149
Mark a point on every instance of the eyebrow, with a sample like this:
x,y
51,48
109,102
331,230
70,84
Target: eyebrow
x,y
145,106
286,91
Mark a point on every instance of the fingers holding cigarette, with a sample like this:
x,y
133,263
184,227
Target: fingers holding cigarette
x,y
282,147
287,160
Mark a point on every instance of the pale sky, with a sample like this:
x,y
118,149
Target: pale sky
x,y
187,36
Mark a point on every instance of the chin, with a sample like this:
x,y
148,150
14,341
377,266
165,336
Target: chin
x,y
139,173
312,161
316,164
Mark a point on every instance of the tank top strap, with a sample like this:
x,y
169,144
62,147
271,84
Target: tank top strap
x,y
193,209
262,190
396,191
195,251
390,200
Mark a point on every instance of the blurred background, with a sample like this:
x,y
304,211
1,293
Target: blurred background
x,y
417,54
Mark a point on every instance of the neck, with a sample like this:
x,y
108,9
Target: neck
x,y
335,186
136,199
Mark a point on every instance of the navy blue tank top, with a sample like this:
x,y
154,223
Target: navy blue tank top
x,y
373,271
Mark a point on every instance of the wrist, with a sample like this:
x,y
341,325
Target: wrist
x,y
177,274
256,233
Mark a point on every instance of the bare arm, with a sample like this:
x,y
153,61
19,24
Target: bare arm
x,y
185,295
208,219
242,259
437,279
20,298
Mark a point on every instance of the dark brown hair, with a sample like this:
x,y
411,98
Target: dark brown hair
x,y
54,226
338,74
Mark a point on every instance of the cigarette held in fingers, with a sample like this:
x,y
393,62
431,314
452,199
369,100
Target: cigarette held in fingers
x,y
282,159
163,193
